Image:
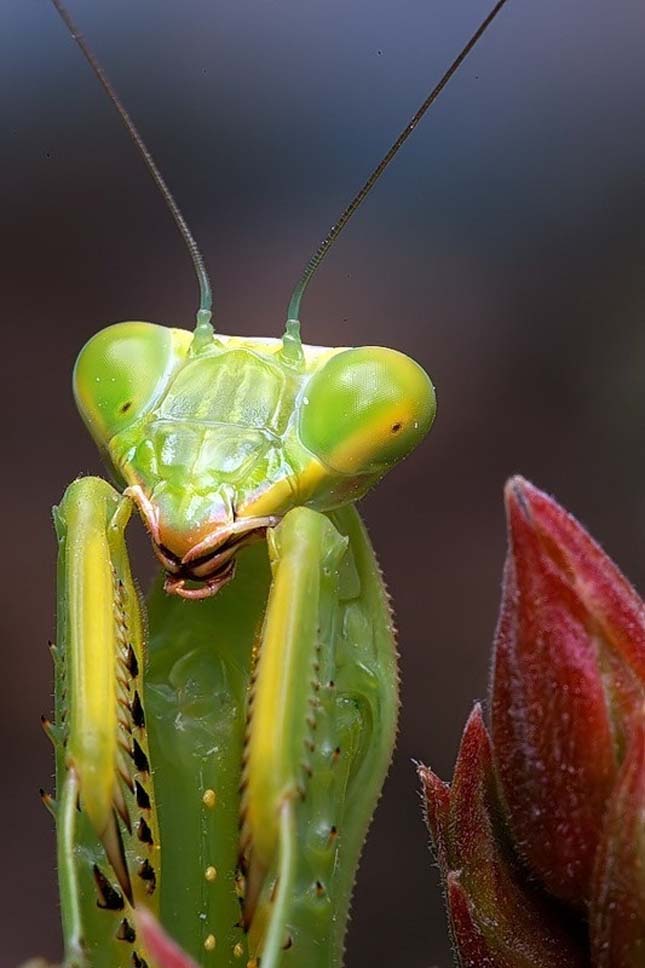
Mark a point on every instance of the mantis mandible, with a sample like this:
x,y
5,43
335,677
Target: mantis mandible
x,y
219,758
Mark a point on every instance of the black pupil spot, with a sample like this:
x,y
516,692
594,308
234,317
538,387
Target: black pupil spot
x,y
395,428
126,406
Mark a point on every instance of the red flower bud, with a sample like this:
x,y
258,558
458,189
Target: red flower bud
x,y
617,915
497,918
568,679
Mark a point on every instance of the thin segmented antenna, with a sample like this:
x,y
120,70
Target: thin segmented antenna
x,y
293,311
205,295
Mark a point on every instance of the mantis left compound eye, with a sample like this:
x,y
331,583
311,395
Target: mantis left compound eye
x,y
367,409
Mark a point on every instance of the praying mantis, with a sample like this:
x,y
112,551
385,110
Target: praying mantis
x,y
218,949
68,457
223,774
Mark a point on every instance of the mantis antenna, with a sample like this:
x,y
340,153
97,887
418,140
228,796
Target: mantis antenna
x,y
205,295
293,311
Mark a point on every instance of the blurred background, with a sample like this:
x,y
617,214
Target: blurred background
x,y
504,250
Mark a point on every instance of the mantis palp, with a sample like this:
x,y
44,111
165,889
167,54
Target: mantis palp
x,y
269,705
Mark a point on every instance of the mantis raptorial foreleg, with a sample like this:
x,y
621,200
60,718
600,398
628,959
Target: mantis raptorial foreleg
x,y
109,852
314,716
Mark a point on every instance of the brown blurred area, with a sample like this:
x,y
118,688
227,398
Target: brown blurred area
x,y
504,250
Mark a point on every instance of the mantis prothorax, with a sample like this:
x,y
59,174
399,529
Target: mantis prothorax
x,y
221,768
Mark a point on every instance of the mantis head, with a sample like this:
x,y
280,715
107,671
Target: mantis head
x,y
216,440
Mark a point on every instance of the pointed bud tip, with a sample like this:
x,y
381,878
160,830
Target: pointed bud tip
x,y
436,805
518,492
474,767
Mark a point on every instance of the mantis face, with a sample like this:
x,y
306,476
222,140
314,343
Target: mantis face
x,y
215,441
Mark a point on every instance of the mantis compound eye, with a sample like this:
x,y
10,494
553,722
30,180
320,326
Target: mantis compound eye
x,y
367,409
121,373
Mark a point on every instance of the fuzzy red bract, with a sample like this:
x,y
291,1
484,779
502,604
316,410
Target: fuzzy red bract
x,y
496,916
541,836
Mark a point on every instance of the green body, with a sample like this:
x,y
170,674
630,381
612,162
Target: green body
x,y
265,714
